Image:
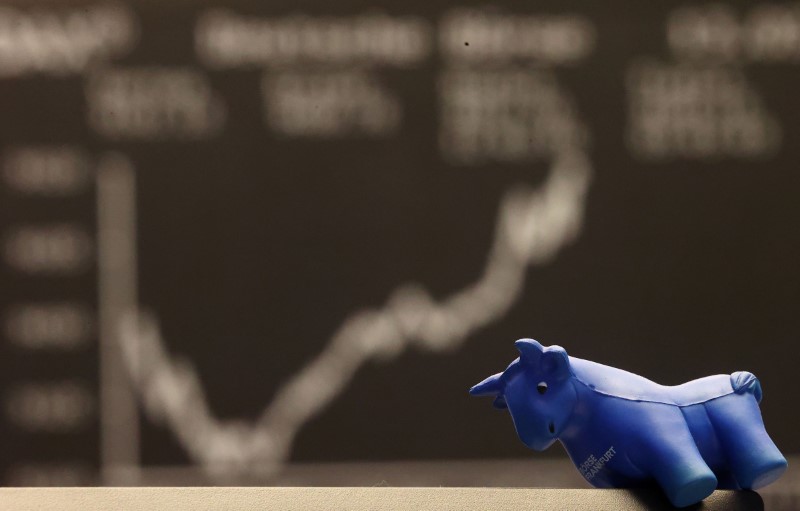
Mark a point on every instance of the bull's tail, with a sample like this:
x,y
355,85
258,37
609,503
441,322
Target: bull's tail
x,y
746,382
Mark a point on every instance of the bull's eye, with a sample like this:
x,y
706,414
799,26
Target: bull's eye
x,y
541,387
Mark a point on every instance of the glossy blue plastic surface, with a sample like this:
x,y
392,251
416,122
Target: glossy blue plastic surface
x,y
624,431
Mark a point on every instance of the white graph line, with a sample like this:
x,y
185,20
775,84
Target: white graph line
x,y
532,226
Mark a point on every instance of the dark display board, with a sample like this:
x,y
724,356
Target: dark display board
x,y
241,234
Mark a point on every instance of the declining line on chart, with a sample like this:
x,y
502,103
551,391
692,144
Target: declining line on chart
x,y
532,226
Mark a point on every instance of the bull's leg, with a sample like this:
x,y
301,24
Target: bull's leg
x,y
753,458
667,451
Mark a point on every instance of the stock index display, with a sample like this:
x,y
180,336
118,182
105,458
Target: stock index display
x,y
240,235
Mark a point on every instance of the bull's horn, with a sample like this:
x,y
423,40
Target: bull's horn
x,y
488,387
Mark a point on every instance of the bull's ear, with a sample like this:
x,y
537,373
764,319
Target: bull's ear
x,y
530,351
555,363
500,402
488,387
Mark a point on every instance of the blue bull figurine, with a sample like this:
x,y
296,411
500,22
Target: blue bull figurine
x,y
623,430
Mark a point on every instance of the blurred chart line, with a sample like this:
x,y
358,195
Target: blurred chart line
x,y
532,226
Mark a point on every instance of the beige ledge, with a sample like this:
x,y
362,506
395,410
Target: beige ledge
x,y
354,499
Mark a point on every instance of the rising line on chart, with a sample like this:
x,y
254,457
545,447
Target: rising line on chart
x,y
532,225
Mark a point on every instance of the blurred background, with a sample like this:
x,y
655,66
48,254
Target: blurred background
x,y
276,242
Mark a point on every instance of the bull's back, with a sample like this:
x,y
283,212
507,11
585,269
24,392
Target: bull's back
x,y
714,387
615,382
701,390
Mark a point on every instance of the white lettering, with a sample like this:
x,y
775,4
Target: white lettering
x,y
41,326
224,39
696,112
593,465
48,171
50,407
480,36
153,104
507,116
329,105
63,248
61,42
